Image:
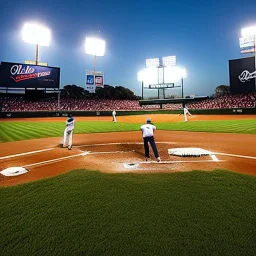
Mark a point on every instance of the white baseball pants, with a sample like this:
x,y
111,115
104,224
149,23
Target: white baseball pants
x,y
68,134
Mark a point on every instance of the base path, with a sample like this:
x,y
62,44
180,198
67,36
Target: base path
x,y
123,152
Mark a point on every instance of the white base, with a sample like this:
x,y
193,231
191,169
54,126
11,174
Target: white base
x,y
14,171
188,152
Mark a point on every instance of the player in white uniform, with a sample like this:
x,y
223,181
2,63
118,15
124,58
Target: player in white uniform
x,y
68,132
185,111
114,115
148,130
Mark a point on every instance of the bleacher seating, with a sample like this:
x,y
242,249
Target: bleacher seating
x,y
19,103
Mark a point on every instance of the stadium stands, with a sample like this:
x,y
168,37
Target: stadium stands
x,y
19,103
244,100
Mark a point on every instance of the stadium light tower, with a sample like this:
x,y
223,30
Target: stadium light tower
x,y
251,32
140,78
36,34
183,73
96,47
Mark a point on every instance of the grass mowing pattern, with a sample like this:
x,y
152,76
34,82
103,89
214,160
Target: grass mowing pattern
x,y
91,213
220,126
13,131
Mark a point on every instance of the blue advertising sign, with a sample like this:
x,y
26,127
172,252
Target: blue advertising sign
x,y
90,79
19,75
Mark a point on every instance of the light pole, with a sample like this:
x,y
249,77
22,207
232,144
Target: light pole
x,y
36,34
251,32
140,78
142,85
182,87
95,47
183,75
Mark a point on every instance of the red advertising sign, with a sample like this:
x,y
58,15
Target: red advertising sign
x,y
99,81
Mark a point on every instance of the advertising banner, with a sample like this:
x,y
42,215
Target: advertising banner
x,y
93,80
17,75
99,81
90,86
247,50
242,75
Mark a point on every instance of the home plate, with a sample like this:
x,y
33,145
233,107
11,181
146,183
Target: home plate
x,y
14,171
130,165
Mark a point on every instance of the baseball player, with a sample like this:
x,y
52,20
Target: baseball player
x,y
148,130
70,125
185,111
114,115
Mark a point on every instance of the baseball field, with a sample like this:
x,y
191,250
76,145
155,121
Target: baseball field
x,y
102,198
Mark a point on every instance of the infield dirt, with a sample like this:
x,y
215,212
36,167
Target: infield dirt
x,y
109,152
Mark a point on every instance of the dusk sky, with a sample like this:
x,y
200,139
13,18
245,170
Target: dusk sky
x,y
203,35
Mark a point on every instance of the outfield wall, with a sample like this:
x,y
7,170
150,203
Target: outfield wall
x,y
233,111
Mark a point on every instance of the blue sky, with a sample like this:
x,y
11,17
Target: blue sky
x,y
203,35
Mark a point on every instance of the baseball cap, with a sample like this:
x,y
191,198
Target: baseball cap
x,y
149,120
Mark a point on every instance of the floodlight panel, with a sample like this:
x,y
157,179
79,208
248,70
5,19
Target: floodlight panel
x,y
141,75
34,33
151,76
173,74
152,63
249,31
169,61
95,46
184,73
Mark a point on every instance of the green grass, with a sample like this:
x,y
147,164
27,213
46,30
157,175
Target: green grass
x,y
13,131
91,213
220,126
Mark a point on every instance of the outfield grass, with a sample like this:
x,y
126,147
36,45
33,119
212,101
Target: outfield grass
x,y
12,131
91,213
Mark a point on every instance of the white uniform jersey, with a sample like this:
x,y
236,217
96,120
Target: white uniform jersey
x,y
147,130
70,124
114,113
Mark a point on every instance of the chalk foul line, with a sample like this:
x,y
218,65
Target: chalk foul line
x,y
214,158
234,155
120,143
180,161
110,152
55,160
26,153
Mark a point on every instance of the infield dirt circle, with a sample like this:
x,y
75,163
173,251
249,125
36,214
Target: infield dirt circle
x,y
123,152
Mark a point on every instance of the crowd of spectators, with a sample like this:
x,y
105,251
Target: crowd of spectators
x,y
243,100
19,103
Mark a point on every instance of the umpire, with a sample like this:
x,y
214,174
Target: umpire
x,y
148,137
